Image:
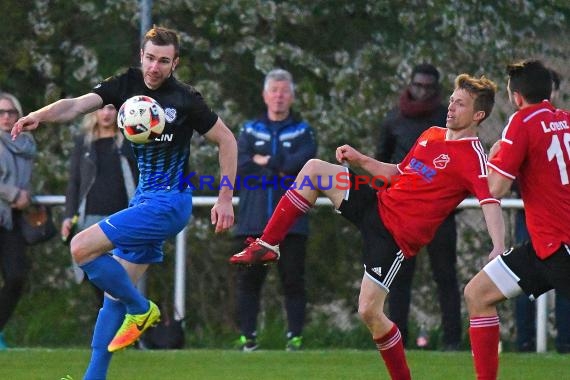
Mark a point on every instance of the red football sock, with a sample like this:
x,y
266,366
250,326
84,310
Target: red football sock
x,y
391,348
291,206
484,336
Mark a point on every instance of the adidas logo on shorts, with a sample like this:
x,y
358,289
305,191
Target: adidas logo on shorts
x,y
378,271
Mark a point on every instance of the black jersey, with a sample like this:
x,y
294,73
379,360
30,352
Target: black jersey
x,y
163,163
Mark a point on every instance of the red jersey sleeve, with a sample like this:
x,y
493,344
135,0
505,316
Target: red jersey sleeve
x,y
475,175
512,150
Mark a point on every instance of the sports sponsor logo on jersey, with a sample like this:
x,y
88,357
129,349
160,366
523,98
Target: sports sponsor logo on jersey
x,y
165,137
425,171
170,114
441,161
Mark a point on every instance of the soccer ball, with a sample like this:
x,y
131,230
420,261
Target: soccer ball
x,y
141,118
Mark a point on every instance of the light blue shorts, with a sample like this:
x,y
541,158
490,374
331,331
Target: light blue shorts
x,y
139,231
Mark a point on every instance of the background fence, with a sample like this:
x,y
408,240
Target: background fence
x,y
182,282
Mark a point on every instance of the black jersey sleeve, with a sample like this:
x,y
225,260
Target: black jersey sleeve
x,y
118,88
203,117
108,90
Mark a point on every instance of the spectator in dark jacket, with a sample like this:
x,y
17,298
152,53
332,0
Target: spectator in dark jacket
x,y
271,149
419,108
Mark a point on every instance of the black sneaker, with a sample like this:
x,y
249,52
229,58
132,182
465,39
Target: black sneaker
x,y
247,344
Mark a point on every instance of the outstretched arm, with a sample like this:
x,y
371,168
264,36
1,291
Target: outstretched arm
x,y
58,112
222,214
348,154
496,227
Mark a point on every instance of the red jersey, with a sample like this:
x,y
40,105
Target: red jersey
x,y
535,148
435,176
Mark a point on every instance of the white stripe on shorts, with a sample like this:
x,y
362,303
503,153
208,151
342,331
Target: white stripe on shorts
x,y
392,272
394,269
347,193
503,277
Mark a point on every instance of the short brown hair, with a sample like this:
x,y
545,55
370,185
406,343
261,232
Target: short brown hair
x,y
482,89
531,79
162,37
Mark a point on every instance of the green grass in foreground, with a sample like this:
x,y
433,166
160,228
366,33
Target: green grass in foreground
x,y
49,364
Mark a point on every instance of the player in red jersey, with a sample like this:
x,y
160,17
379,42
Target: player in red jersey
x,y
443,167
535,149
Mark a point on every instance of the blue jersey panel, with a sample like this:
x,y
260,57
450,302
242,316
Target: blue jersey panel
x,y
139,231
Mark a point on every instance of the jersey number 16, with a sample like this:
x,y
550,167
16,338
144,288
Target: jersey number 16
x,y
555,151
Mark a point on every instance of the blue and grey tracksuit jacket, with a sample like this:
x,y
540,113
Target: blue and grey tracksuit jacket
x,y
290,143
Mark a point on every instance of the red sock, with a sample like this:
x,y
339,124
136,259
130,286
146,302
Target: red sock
x,y
391,348
484,335
291,206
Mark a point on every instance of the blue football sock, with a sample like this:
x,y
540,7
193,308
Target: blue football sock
x,y
110,276
108,322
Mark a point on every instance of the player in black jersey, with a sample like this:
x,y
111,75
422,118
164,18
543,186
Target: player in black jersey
x,y
162,204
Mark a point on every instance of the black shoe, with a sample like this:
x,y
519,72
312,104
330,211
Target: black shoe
x,y
247,344
527,347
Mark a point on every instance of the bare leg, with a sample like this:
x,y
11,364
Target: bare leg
x,y
89,244
135,271
316,177
371,308
384,332
89,249
322,173
481,296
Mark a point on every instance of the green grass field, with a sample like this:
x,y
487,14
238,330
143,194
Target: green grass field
x,y
52,364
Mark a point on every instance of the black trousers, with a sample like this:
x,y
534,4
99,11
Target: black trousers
x,y
291,267
14,268
442,251
525,309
